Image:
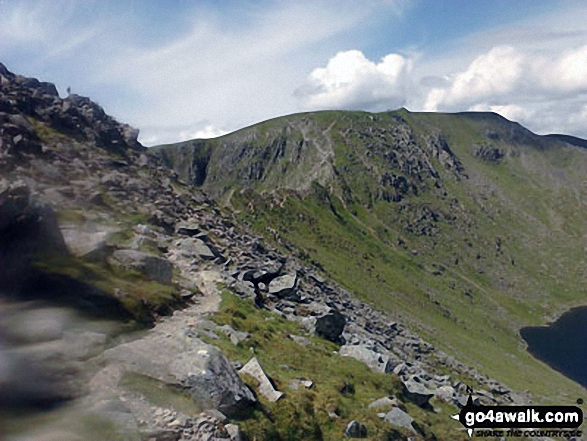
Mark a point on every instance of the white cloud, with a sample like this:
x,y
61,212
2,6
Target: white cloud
x,y
544,90
495,73
351,81
205,132
512,112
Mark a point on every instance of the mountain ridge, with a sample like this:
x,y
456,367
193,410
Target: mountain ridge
x,y
470,210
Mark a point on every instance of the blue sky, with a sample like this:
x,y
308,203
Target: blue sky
x,y
183,69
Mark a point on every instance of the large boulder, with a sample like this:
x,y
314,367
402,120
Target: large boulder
x,y
254,369
331,326
150,265
376,361
195,247
285,287
186,363
399,418
416,392
90,246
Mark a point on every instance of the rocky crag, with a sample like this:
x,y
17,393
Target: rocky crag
x,y
113,270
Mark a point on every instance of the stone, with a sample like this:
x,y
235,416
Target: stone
x,y
355,429
90,246
296,383
235,336
444,393
416,392
195,247
254,369
285,287
234,432
187,363
399,418
330,326
82,345
377,362
383,403
150,265
187,229
303,341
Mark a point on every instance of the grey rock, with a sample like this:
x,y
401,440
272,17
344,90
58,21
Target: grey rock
x,y
377,362
444,393
285,287
150,265
188,229
296,383
330,326
417,393
303,341
235,336
399,418
195,247
187,363
383,403
254,369
355,429
82,345
87,245
234,432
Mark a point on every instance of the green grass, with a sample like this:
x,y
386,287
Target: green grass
x,y
303,414
142,298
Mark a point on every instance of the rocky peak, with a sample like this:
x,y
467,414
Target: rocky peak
x,y
30,99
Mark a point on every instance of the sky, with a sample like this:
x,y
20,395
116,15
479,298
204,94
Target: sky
x,y
178,69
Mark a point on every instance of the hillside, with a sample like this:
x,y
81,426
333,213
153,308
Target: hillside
x,y
465,226
313,277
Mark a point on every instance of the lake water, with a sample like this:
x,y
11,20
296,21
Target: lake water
x,y
562,345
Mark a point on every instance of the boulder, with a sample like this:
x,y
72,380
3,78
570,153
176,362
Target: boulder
x,y
330,326
87,245
195,247
285,287
355,429
399,418
235,336
28,229
415,392
298,383
152,266
377,362
185,363
254,369
445,393
384,403
187,229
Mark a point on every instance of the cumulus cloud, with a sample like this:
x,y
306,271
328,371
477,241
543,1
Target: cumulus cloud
x,y
206,132
351,81
545,91
495,73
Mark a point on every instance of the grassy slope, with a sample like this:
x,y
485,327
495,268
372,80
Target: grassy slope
x,y
303,413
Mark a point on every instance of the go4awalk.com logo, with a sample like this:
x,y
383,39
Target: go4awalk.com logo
x,y
528,421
